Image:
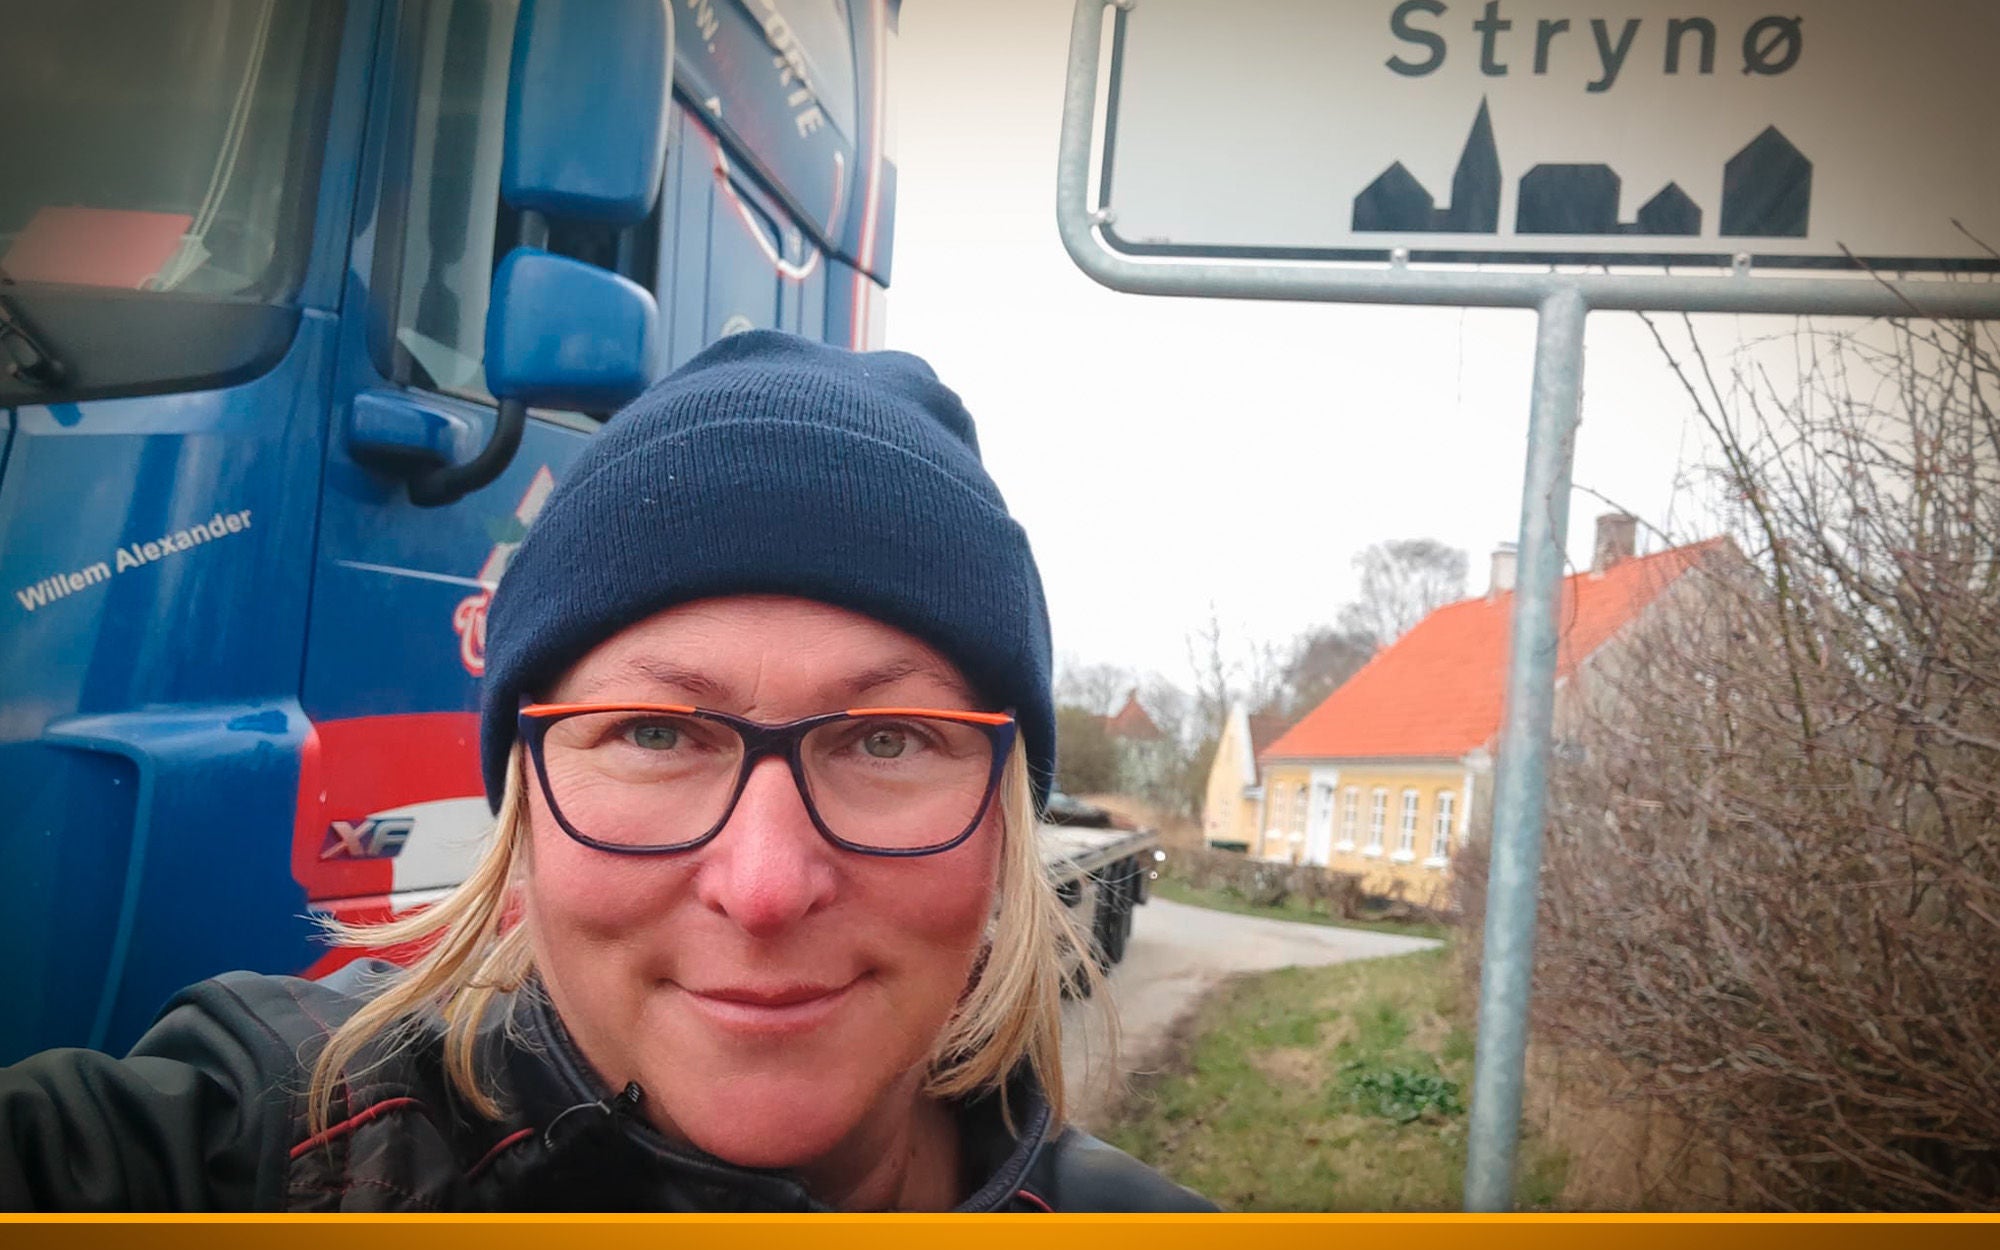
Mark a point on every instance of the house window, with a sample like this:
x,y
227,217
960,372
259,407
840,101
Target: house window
x,y
1299,810
1447,801
1350,817
1406,831
1378,816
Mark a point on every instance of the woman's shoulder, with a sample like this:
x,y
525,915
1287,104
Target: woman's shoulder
x,y
393,1137
269,1027
200,1114
1077,1172
291,1011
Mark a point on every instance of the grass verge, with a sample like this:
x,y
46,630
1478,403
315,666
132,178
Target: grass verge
x,y
1226,900
1324,1089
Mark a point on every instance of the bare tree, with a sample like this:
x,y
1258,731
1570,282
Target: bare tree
x,y
1264,677
1188,750
1402,582
1171,708
1214,689
1097,688
1321,659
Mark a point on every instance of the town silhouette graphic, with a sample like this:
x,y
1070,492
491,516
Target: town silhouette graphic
x,y
1766,194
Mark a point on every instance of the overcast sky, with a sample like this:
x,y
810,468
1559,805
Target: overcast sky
x,y
1164,454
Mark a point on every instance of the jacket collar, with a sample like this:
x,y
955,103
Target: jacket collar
x,y
577,1143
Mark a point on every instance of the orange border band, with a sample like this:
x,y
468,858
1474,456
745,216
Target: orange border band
x,y
1006,1232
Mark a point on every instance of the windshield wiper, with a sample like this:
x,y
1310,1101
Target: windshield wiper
x,y
28,360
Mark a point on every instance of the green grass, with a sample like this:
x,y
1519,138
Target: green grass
x,y
1325,1089
1227,900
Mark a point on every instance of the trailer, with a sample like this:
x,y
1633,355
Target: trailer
x,y
1102,874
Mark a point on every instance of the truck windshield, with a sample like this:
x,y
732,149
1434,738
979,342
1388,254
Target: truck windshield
x,y
161,145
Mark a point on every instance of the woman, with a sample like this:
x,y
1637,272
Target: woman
x,y
762,925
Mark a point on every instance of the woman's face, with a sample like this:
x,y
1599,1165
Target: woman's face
x,y
775,996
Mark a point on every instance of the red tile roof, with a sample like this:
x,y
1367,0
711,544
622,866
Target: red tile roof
x,y
1437,692
1131,721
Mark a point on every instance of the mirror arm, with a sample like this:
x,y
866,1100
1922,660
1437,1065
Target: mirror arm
x,y
449,483
534,230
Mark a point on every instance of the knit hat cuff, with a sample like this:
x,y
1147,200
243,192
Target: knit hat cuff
x,y
851,520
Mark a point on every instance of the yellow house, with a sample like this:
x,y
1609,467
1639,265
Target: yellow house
x,y
1383,777
1234,797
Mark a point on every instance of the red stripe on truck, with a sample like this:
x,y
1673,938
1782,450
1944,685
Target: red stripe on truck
x,y
351,770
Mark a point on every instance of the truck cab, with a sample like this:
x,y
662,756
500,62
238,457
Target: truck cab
x,y
304,307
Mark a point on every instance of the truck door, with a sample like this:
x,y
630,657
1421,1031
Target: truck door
x,y
391,805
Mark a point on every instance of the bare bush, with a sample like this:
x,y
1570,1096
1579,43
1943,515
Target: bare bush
x,y
1772,880
1268,883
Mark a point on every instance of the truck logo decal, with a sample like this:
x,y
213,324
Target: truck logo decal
x,y
469,617
373,838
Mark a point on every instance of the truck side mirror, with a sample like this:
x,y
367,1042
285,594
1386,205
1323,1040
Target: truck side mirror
x,y
559,334
592,358
587,102
588,93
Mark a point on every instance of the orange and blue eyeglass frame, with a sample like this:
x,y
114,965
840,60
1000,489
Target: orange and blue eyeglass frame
x,y
786,741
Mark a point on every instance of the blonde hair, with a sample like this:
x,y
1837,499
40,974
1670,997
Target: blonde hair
x,y
476,952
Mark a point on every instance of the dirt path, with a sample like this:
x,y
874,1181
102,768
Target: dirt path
x,y
1177,954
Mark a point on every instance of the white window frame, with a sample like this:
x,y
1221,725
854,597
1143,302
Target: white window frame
x,y
1350,817
1443,814
1406,828
1378,817
1279,845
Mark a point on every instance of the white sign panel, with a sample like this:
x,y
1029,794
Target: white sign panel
x,y
1806,133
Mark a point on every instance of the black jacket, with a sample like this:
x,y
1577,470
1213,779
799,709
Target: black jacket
x,y
207,1113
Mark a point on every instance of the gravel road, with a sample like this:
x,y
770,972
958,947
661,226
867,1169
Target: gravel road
x,y
1176,954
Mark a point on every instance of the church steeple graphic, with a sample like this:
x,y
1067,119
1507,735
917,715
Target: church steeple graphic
x,y
1475,185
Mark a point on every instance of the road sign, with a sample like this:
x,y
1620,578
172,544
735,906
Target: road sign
x,y
1805,134
1246,140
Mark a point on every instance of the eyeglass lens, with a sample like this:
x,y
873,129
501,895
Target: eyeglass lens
x,y
643,778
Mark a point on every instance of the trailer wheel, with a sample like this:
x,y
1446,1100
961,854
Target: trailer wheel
x,y
1077,981
1114,919
1125,914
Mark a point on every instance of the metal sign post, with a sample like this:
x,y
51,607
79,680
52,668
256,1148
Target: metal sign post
x,y
1520,790
1562,301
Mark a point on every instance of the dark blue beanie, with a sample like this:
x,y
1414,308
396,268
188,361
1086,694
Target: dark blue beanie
x,y
773,464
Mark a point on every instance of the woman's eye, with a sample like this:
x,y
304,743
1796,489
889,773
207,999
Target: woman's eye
x,y
885,744
655,737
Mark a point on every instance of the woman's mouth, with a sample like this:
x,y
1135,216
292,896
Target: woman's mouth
x,y
770,1008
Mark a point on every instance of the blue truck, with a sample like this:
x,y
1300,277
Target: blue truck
x,y
304,305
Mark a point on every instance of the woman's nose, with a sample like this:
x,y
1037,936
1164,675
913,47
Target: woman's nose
x,y
769,867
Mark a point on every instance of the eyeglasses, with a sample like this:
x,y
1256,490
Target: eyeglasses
x,y
647,779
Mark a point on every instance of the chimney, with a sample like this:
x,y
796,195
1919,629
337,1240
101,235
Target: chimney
x,y
1617,538
1504,562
